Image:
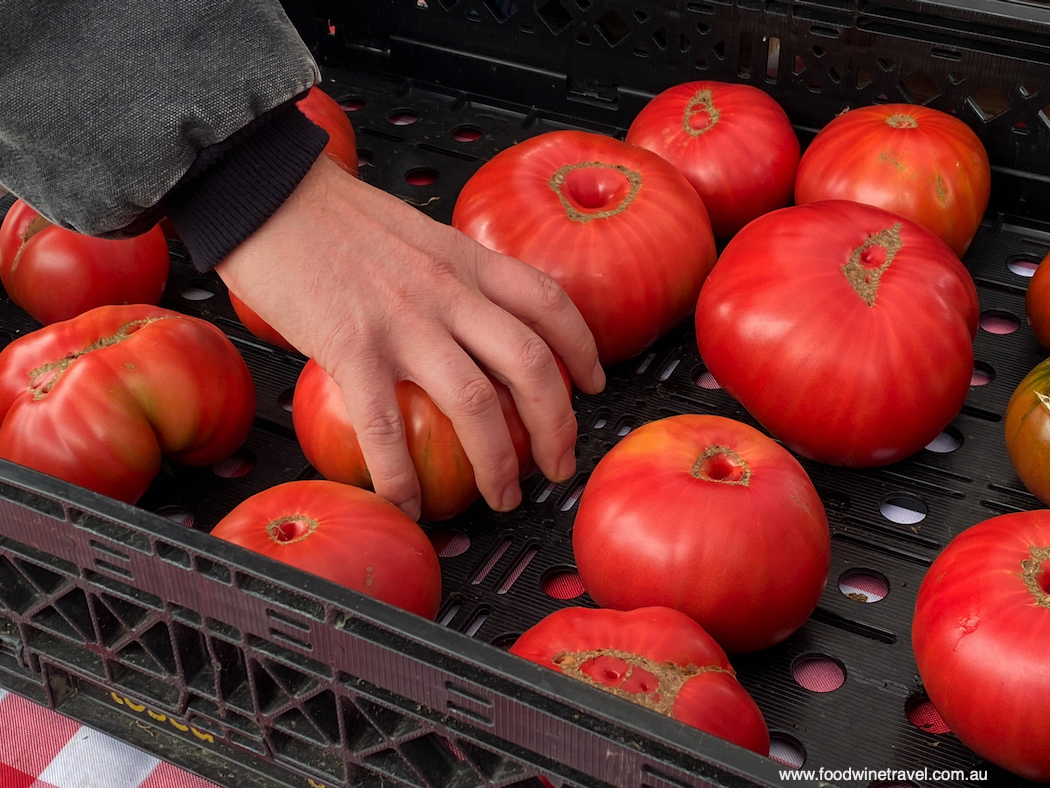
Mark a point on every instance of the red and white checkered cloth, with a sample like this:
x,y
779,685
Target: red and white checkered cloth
x,y
40,748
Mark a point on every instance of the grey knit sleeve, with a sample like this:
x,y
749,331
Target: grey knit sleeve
x,y
105,105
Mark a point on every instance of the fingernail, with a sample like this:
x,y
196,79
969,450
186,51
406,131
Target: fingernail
x,y
567,465
511,497
412,508
598,377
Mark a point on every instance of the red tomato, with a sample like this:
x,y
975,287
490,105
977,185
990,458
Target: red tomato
x,y
921,163
658,658
256,325
343,534
709,516
733,143
844,329
1027,431
981,625
446,477
1037,303
99,400
55,274
324,111
618,227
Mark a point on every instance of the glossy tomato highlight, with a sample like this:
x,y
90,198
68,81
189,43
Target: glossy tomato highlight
x,y
709,516
344,534
654,656
618,227
99,400
845,330
981,625
734,144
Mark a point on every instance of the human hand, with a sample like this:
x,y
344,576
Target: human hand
x,y
377,292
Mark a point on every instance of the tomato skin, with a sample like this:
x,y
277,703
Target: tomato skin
x,y
618,227
1037,303
734,144
1027,431
344,534
446,477
625,653
55,274
174,386
324,111
921,163
256,325
784,331
979,633
746,555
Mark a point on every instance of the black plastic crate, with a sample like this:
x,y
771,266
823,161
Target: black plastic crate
x,y
135,621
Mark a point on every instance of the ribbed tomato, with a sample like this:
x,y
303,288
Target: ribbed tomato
x,y
921,163
846,330
732,142
100,399
1037,302
658,658
1027,431
343,534
709,516
55,274
981,625
446,477
325,111
618,227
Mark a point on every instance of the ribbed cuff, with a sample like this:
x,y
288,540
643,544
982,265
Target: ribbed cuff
x,y
242,184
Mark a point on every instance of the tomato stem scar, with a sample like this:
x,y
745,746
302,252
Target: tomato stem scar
x,y
902,121
863,276
557,185
722,464
702,102
1036,576
291,528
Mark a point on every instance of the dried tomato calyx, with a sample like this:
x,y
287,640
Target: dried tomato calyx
x,y
701,115
1035,572
723,465
658,683
870,260
39,223
595,190
291,528
901,120
46,377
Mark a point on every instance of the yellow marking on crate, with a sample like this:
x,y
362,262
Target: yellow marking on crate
x,y
123,700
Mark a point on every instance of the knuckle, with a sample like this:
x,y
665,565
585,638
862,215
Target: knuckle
x,y
551,294
381,427
535,356
475,397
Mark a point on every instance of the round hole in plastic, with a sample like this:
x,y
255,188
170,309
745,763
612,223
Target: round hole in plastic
x,y
562,584
238,464
1023,265
983,374
864,585
921,713
284,399
948,441
351,104
177,514
787,750
505,641
466,134
818,673
364,158
421,176
903,509
704,379
403,118
449,544
197,290
996,321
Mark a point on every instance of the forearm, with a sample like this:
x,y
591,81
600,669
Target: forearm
x,y
107,105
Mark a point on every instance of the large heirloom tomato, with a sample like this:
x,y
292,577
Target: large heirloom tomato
x,y
1037,302
446,477
1027,431
921,163
343,534
618,227
100,399
256,325
733,143
324,111
55,274
981,625
658,658
846,330
709,516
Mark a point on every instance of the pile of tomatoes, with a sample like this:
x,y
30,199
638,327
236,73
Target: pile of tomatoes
x,y
828,297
